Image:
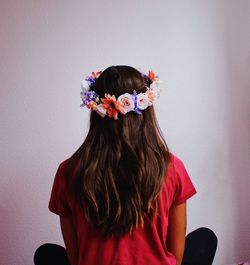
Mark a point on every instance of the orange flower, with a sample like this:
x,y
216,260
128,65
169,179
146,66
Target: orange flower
x,y
91,104
151,75
112,106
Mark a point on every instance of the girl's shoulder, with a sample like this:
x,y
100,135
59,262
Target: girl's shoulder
x,y
175,160
176,165
63,164
61,175
180,179
61,171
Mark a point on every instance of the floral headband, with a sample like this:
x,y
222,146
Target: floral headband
x,y
125,103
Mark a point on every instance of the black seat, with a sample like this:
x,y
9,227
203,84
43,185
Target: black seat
x,y
51,254
200,247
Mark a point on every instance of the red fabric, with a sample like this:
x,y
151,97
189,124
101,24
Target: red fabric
x,y
145,245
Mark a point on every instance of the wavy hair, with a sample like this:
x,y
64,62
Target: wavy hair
x,y
122,164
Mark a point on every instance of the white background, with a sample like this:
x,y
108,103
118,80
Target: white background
x,y
200,49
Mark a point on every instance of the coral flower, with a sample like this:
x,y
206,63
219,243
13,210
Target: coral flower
x,y
112,106
152,76
95,75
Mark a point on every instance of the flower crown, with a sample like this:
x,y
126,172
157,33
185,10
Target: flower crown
x,y
125,103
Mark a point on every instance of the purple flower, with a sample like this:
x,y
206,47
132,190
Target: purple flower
x,y
88,96
90,80
134,96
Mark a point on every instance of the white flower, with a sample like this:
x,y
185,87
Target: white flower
x,y
100,110
142,101
155,86
127,102
84,85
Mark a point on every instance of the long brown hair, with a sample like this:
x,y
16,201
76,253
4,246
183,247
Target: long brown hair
x,y
121,165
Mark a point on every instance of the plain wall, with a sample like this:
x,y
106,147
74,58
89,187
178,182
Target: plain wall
x,y
200,50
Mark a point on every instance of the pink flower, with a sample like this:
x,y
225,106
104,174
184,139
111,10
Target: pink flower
x,y
126,102
151,96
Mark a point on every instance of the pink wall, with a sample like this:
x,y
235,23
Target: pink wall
x,y
238,62
199,48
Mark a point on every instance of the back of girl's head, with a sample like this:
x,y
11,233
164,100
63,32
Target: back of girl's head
x,y
121,165
117,80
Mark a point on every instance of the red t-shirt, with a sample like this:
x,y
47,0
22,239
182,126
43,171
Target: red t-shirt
x,y
145,245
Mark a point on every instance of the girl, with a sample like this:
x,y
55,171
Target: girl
x,y
121,196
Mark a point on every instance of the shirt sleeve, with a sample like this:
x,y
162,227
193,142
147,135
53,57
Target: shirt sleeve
x,y
184,186
58,203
